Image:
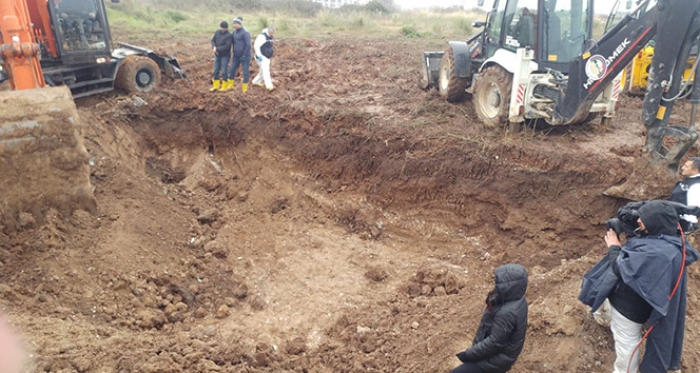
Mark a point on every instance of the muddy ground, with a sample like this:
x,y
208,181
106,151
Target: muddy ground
x,y
347,222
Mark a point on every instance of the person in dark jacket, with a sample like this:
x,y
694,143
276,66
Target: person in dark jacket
x,y
645,281
221,44
501,334
241,54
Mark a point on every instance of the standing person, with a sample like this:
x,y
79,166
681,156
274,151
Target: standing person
x,y
263,53
241,54
501,334
221,43
645,281
687,191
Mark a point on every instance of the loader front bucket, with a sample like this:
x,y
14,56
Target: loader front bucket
x,y
431,69
43,161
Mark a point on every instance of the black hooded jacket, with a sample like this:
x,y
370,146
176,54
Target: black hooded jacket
x,y
222,41
501,334
660,219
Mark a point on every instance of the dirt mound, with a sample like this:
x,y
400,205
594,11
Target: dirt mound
x,y
347,222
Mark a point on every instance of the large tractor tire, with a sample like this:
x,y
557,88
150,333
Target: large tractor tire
x,y
451,87
491,95
138,74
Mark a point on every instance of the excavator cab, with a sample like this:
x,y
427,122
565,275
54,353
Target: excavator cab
x,y
82,34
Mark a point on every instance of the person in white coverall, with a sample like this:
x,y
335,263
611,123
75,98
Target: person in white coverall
x,y
263,53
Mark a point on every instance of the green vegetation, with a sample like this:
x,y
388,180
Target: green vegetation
x,y
292,18
410,32
176,16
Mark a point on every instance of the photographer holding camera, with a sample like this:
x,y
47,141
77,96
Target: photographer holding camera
x,y
687,191
645,281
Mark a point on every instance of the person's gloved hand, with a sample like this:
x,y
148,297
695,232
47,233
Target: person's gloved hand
x,y
462,356
259,58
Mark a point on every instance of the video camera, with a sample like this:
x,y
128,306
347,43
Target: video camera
x,y
627,216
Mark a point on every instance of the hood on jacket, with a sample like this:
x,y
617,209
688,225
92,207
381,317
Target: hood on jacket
x,y
266,31
659,218
511,282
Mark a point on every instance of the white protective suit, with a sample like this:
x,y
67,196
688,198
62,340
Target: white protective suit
x,y
263,62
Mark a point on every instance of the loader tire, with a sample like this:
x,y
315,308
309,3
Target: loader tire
x,y
138,74
491,95
451,87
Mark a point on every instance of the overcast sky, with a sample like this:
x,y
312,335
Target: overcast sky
x,y
601,6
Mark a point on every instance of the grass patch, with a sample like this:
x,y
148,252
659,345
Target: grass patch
x,y
176,16
410,32
263,22
291,19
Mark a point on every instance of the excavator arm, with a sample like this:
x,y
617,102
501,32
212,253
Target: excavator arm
x,y
675,26
18,48
43,162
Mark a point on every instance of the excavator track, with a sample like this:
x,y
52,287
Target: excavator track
x,y
43,161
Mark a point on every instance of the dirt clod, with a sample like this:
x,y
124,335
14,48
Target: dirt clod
x,y
440,291
241,291
223,312
208,216
451,284
297,346
376,274
279,204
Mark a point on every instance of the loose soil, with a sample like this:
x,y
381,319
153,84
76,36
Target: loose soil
x,y
346,222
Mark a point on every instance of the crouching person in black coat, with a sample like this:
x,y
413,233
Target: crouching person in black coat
x,y
501,334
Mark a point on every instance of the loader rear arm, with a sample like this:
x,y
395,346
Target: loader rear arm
x,y
675,25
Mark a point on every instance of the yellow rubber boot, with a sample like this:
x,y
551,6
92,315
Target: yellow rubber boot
x,y
244,87
216,86
228,85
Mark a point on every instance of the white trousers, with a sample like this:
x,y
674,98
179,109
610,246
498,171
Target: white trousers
x,y
264,73
627,334
603,316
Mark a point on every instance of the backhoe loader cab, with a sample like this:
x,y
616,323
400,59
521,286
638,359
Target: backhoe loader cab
x,y
499,65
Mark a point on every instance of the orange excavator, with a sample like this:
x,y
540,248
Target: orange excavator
x,y
51,50
73,39
43,161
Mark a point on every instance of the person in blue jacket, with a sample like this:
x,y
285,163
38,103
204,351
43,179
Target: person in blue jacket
x,y
241,54
646,283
